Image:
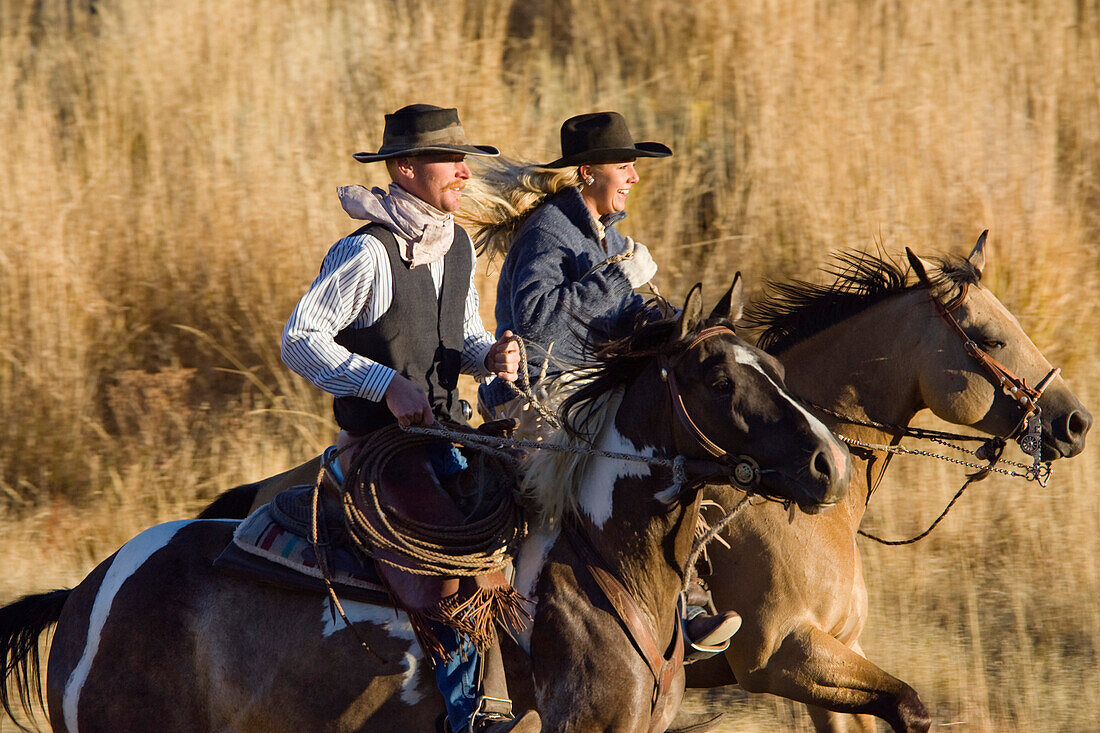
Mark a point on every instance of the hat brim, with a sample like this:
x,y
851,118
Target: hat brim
x,y
487,151
613,155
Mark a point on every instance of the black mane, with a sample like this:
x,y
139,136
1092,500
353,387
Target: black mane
x,y
791,312
615,360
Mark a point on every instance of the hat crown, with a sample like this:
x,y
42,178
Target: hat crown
x,y
594,131
420,129
421,124
602,137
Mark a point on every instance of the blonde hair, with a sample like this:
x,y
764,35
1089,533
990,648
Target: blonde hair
x,y
500,197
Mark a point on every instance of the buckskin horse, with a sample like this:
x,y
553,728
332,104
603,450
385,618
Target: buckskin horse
x,y
871,350
155,638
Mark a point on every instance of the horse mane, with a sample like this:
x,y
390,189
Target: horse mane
x,y
595,391
791,312
503,194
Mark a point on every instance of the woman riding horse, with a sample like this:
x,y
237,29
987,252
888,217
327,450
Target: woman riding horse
x,y
566,262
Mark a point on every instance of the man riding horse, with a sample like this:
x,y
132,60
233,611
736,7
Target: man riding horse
x,y
386,328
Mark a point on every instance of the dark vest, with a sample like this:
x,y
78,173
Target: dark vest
x,y
420,336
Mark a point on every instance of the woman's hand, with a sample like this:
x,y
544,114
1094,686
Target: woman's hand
x,y
640,268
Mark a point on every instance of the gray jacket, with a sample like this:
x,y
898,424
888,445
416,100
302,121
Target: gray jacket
x,y
551,289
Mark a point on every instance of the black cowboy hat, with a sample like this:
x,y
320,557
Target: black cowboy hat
x,y
602,137
424,128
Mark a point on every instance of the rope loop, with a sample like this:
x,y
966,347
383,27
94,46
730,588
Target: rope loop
x,y
523,387
474,548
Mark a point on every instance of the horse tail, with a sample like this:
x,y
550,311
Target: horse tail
x,y
21,623
233,504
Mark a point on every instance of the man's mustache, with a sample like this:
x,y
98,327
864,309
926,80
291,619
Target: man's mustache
x,y
455,185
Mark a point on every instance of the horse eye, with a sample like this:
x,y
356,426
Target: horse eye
x,y
992,344
723,385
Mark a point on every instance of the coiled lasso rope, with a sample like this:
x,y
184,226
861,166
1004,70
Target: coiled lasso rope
x,y
475,548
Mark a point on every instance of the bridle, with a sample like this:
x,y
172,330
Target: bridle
x,y
745,472
1028,432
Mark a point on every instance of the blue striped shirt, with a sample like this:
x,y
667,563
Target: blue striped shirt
x,y
355,288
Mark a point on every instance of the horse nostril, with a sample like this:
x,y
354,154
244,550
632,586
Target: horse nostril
x,y
1073,427
821,467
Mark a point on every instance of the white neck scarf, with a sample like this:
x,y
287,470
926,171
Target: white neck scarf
x,y
427,232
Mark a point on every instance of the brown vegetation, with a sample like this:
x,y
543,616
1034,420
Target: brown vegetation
x,y
167,189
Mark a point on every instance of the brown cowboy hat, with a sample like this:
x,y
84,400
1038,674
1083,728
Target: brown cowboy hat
x,y
424,128
602,137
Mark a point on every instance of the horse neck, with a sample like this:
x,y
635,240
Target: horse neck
x,y
865,368
645,541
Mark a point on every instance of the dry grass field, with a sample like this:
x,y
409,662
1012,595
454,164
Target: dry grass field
x,y
167,189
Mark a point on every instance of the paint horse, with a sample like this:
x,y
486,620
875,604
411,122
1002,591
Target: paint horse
x,y
156,639
872,349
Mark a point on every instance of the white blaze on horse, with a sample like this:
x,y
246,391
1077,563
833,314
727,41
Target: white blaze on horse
x,y
872,349
157,638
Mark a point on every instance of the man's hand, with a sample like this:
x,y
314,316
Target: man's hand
x,y
503,357
408,403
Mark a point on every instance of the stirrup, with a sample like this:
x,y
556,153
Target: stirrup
x,y
529,722
491,709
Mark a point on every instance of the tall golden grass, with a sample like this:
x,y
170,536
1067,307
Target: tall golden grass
x,y
167,189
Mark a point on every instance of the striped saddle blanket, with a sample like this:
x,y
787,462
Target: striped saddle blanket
x,y
273,545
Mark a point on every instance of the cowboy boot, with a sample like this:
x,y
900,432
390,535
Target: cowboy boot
x,y
708,634
494,708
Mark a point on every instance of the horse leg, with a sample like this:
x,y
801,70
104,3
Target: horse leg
x,y
814,668
828,721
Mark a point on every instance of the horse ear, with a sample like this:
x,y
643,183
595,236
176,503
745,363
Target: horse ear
x,y
732,304
692,313
977,255
919,266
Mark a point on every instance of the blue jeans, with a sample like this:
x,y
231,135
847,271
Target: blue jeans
x,y
456,677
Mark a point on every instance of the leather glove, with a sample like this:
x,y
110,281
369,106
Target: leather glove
x,y
640,268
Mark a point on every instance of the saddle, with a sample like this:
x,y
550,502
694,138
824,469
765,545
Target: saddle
x,y
274,544
439,535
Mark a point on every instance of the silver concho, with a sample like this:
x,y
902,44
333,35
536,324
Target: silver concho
x,y
744,473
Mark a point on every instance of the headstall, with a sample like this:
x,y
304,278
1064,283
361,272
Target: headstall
x,y
745,472
1028,432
